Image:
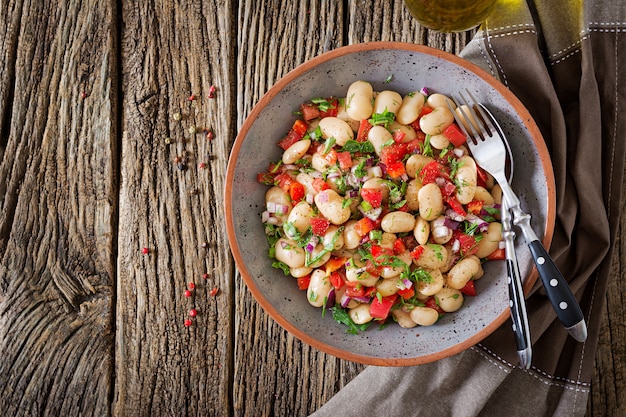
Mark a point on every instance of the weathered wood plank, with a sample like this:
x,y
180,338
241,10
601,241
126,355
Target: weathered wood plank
x,y
58,202
171,50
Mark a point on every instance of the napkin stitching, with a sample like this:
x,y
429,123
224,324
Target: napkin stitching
x,y
494,55
543,373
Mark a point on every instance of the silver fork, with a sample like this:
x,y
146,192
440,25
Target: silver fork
x,y
488,149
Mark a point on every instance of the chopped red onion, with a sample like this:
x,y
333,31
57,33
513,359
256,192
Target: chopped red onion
x,y
424,91
352,193
456,246
375,171
334,174
407,283
265,216
330,301
272,220
451,214
345,300
451,224
372,214
362,299
440,232
458,152
360,270
309,198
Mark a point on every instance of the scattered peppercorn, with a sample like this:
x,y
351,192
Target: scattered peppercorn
x,y
209,135
204,245
214,292
205,276
168,140
145,251
187,322
187,293
192,97
212,91
177,116
191,286
202,165
182,167
192,130
83,95
193,312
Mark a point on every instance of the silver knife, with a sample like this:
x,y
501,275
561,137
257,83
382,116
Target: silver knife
x,y
519,316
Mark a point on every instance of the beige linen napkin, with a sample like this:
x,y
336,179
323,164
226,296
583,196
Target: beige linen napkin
x,y
566,61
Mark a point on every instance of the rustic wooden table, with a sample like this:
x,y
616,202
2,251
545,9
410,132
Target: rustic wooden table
x,y
106,113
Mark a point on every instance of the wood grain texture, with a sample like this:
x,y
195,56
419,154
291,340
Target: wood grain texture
x,y
171,55
58,199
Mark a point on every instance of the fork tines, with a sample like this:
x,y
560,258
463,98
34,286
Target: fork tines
x,y
471,118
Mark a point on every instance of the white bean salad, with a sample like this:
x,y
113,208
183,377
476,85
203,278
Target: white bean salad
x,y
377,210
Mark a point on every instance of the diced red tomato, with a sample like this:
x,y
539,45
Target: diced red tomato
x,y
364,129
475,206
454,204
455,135
369,291
319,226
448,189
373,196
345,160
309,111
469,288
417,252
300,127
336,280
380,308
396,169
378,252
406,293
364,226
398,246
415,146
393,153
372,269
291,138
333,109
431,302
331,156
266,178
354,289
284,181
468,244
303,282
432,171
320,185
296,191
399,135
481,177
497,255
335,263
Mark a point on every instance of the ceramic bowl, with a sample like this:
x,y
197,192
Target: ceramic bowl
x,y
403,68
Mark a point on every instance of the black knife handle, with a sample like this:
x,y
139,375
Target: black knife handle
x,y
557,289
518,316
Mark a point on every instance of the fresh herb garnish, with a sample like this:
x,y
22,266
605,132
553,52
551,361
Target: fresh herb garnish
x,y
341,316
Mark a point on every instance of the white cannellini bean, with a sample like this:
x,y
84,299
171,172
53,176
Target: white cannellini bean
x,y
449,299
398,222
434,256
334,127
360,314
433,286
415,163
403,318
436,121
319,288
277,195
466,179
300,217
351,238
421,232
430,201
424,316
387,286
439,100
410,109
332,206
439,141
355,273
378,137
319,163
288,252
395,271
412,194
300,272
387,100
317,251
483,195
296,151
461,273
359,100
330,235
490,241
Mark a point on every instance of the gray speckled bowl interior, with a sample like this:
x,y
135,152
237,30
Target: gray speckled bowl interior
x,y
411,67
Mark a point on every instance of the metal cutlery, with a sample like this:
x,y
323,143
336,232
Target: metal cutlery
x,y
488,149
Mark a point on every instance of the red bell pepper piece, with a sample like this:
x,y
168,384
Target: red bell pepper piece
x,y
380,307
364,129
364,226
303,282
455,135
336,280
296,191
469,288
497,255
373,196
406,293
396,169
